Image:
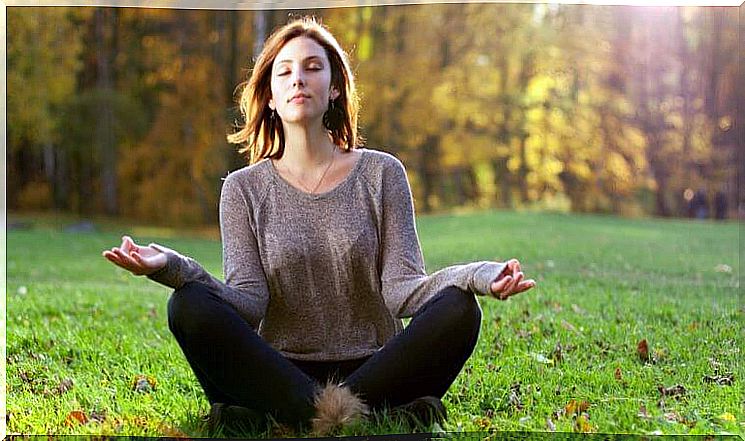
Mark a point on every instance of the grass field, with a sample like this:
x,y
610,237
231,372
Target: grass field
x,y
563,357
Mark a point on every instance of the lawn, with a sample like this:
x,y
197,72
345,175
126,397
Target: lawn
x,y
89,351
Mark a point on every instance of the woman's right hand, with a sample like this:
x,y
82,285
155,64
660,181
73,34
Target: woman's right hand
x,y
139,260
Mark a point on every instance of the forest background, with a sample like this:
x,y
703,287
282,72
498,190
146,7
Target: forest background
x,y
606,109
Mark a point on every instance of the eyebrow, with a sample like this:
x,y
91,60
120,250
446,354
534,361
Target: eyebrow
x,y
310,58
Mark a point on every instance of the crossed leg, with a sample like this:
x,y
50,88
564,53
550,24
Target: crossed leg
x,y
234,365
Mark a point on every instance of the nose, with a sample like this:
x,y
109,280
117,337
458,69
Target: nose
x,y
298,78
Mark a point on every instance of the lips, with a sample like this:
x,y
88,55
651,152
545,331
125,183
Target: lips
x,y
299,97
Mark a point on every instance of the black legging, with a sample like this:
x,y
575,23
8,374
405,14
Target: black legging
x,y
236,366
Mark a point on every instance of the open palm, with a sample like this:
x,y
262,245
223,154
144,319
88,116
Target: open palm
x,y
137,259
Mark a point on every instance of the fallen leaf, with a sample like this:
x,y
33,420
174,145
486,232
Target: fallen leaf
x,y
723,380
171,432
676,391
524,419
26,377
550,425
64,385
76,417
728,417
557,354
514,396
98,415
541,358
575,408
568,326
143,384
577,309
482,423
605,347
642,349
582,424
723,268
643,412
671,417
617,374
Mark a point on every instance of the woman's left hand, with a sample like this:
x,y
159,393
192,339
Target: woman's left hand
x,y
510,281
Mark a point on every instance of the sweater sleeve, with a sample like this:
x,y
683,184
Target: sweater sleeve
x,y
245,286
405,283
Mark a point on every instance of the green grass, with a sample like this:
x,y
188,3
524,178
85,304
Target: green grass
x,y
604,284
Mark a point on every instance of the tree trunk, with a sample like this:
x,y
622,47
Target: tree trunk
x,y
105,138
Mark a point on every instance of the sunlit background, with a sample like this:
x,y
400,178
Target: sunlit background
x,y
610,109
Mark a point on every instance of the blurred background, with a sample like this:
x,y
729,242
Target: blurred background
x,y
620,110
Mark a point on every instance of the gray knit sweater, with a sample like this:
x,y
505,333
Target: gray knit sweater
x,y
325,276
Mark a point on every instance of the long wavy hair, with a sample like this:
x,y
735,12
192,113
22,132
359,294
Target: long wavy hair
x,y
262,135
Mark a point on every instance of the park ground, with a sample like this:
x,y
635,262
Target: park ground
x,y
635,327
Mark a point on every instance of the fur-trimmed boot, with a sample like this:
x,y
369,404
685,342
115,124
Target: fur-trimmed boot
x,y
336,407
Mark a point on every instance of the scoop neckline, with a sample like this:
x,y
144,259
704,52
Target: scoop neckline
x,y
291,188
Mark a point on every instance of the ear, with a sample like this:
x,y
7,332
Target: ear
x,y
271,104
334,94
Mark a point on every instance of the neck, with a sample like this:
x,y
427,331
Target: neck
x,y
306,147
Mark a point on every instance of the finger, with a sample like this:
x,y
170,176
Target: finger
x,y
498,286
515,266
522,287
143,262
114,258
110,256
511,286
132,264
131,245
525,285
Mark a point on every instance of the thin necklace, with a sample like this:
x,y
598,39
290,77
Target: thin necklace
x,y
328,167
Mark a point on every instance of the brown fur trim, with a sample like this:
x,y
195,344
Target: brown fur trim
x,y
336,406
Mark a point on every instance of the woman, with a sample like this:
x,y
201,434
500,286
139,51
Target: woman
x,y
321,261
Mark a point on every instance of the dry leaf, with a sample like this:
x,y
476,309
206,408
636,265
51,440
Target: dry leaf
x,y
568,326
76,417
617,374
570,408
171,432
64,385
723,268
577,309
643,412
482,423
514,397
574,407
557,354
143,384
723,380
728,417
672,391
642,349
582,424
550,425
98,415
671,417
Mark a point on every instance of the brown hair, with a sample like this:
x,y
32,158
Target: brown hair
x,y
262,133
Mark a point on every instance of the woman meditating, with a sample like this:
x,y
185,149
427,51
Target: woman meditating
x,y
321,261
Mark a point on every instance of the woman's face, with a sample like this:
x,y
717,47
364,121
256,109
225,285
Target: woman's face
x,y
301,81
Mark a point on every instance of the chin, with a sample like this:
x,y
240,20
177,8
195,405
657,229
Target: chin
x,y
300,117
